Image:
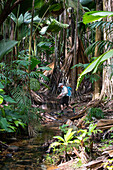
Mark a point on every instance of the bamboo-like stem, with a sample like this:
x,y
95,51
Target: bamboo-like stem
x,y
74,73
30,44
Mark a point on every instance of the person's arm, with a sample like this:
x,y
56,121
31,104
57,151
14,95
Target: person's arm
x,y
59,95
63,93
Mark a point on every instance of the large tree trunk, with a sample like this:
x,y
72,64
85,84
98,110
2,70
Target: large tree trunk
x,y
74,73
8,9
97,54
107,84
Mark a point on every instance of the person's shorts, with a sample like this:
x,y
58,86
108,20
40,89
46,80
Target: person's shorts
x,y
65,100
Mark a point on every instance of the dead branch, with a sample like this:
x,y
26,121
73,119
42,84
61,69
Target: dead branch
x,y
93,103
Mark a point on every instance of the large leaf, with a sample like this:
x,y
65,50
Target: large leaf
x,y
95,16
53,26
44,68
54,144
1,86
94,65
69,135
13,17
34,62
43,30
56,26
1,99
5,125
9,99
59,138
5,46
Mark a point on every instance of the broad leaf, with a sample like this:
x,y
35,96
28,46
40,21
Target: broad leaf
x,y
13,17
9,99
5,125
2,91
69,135
44,68
34,63
94,65
95,16
1,86
43,30
1,99
5,46
88,69
55,144
53,26
59,138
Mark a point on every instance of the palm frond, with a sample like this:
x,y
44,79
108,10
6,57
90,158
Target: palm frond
x,y
101,45
21,97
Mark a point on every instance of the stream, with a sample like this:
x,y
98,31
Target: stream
x,y
27,154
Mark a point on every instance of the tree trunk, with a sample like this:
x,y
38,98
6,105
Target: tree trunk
x,y
74,73
97,54
107,84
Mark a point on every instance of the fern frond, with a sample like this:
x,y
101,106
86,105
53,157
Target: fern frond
x,y
34,74
21,96
101,45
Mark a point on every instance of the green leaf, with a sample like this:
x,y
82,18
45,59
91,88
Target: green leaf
x,y
95,16
59,138
88,69
4,123
77,141
1,99
44,68
12,127
1,86
2,91
34,84
9,99
13,17
55,144
34,63
5,46
19,122
53,26
43,30
69,135
56,26
20,20
94,65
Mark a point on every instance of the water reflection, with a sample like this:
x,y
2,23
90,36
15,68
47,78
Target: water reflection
x,y
30,153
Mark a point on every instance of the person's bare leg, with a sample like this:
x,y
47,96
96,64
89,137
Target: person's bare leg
x,y
62,108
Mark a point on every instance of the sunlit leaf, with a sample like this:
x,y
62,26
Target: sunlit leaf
x,y
59,138
95,16
54,144
43,30
1,99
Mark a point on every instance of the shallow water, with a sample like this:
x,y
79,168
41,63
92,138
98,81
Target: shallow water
x,y
30,152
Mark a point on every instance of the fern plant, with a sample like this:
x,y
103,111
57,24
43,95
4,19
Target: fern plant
x,y
95,112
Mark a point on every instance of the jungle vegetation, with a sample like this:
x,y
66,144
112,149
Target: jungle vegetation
x,y
44,42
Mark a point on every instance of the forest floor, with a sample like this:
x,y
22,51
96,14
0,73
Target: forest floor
x,y
101,154
96,153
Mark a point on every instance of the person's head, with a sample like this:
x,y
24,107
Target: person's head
x,y
60,85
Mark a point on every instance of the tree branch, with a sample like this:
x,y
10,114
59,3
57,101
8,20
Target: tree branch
x,y
8,9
